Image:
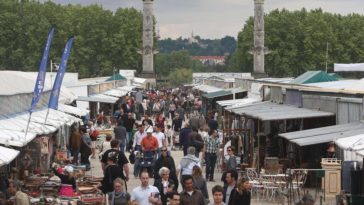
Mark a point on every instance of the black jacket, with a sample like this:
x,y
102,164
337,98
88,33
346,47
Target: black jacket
x,y
169,163
239,199
225,190
110,174
159,185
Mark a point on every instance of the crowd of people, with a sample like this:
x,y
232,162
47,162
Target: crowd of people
x,y
150,126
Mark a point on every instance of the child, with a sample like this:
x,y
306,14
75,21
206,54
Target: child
x,y
169,134
105,145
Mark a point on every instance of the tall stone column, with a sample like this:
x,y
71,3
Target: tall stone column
x,y
259,50
148,23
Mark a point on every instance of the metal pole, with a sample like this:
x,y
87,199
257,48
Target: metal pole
x,y
327,53
46,117
26,130
258,153
51,72
114,77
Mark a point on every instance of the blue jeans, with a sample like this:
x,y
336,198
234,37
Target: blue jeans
x,y
211,159
159,152
122,148
138,148
130,136
137,167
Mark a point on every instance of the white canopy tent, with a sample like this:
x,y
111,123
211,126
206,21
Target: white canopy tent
x,y
7,155
72,110
126,87
353,147
207,88
15,138
116,92
20,124
98,98
242,102
338,67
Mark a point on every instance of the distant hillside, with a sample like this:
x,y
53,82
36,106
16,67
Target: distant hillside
x,y
199,47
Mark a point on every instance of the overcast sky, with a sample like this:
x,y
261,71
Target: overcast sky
x,y
216,18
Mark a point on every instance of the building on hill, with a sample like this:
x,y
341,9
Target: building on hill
x,y
210,60
192,39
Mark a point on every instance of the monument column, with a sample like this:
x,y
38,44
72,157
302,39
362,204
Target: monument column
x,y
259,50
148,49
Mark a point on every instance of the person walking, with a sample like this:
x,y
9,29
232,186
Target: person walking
x,y
164,184
181,112
138,137
211,147
184,140
75,144
195,139
212,123
149,143
145,194
147,122
189,195
187,163
217,195
169,134
199,182
111,172
174,198
241,194
230,179
166,160
120,134
230,161
129,125
172,108
85,148
176,125
118,196
161,139
121,159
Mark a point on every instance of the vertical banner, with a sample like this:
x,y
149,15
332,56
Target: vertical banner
x,y
39,85
53,99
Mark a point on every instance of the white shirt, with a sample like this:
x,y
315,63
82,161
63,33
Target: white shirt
x,y
187,170
169,132
160,137
228,193
138,138
142,194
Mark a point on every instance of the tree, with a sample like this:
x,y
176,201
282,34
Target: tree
x,y
103,39
167,63
180,76
297,41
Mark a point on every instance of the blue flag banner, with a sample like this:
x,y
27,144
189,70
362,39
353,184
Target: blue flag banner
x,y
39,84
53,99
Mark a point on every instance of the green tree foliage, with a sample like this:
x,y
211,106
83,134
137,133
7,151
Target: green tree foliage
x,y
297,42
167,63
180,76
103,39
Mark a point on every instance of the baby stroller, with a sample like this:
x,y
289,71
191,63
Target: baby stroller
x,y
147,162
